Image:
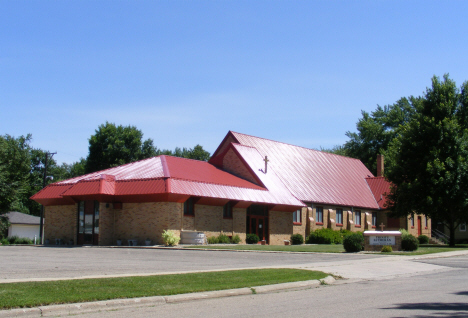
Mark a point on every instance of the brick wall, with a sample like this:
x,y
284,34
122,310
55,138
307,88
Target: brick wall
x,y
106,224
60,223
147,220
239,222
301,228
234,165
281,227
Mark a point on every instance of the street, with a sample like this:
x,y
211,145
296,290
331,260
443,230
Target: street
x,y
444,294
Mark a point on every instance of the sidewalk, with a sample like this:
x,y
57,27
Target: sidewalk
x,y
350,270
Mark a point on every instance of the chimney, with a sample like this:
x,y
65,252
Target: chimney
x,y
380,165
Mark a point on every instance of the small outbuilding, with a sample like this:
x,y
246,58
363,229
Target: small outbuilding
x,y
23,225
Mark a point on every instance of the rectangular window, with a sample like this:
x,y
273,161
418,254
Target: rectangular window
x,y
81,217
412,221
462,227
357,218
374,219
427,222
339,216
297,217
319,212
227,210
189,207
96,217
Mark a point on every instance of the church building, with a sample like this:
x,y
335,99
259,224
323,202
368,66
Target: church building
x,y
250,185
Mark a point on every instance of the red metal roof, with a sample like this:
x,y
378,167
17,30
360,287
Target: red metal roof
x,y
379,187
157,177
311,175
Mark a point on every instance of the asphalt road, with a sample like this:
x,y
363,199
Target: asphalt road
x,y
441,294
27,262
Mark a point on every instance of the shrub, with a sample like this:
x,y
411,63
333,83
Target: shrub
x,y
170,238
4,241
235,239
24,240
223,239
409,243
345,232
13,239
423,239
297,239
386,249
325,236
213,240
403,232
353,242
252,238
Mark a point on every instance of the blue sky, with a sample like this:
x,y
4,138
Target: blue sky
x,y
186,72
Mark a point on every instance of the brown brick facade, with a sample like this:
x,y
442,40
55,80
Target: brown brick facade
x,y
281,227
234,165
60,223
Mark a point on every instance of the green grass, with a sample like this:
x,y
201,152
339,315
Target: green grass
x,y
430,249
319,248
31,294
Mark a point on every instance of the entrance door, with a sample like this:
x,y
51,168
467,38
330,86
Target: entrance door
x,y
419,226
257,221
88,222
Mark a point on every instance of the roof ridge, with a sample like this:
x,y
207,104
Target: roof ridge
x,y
285,143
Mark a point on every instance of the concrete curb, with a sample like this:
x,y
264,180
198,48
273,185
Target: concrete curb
x,y
96,306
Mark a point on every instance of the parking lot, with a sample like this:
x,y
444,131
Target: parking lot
x,y
31,263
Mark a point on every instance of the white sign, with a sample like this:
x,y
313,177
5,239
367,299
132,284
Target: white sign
x,y
381,240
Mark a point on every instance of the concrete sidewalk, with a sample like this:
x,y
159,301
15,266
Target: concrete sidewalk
x,y
350,270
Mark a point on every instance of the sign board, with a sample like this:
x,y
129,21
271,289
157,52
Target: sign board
x,y
381,240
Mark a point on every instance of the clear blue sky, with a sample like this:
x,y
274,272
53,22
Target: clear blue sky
x,y
186,72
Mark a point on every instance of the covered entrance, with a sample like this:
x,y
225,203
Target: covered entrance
x,y
257,221
88,223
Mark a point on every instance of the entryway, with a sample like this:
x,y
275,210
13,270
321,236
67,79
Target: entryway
x,y
257,221
88,223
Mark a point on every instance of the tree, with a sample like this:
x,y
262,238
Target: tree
x,y
113,145
4,224
429,169
376,130
15,167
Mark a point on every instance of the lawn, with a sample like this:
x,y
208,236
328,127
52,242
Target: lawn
x,y
32,294
311,248
325,248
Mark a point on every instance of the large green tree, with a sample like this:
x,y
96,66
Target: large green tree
x,y
376,130
430,157
113,145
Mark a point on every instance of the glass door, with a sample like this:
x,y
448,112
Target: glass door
x,y
88,222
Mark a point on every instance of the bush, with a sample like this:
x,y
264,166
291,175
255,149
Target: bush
x,y
325,236
13,239
213,240
252,238
235,239
170,238
423,239
4,241
353,242
223,239
297,239
409,243
386,249
345,232
403,232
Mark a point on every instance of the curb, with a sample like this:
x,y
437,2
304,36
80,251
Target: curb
x,y
96,306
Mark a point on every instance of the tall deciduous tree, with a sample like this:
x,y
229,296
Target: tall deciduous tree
x,y
113,145
376,130
430,157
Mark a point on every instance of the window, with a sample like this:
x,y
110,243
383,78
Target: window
x,y
412,221
227,210
339,216
462,227
357,218
189,207
297,217
374,219
319,212
96,217
427,222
